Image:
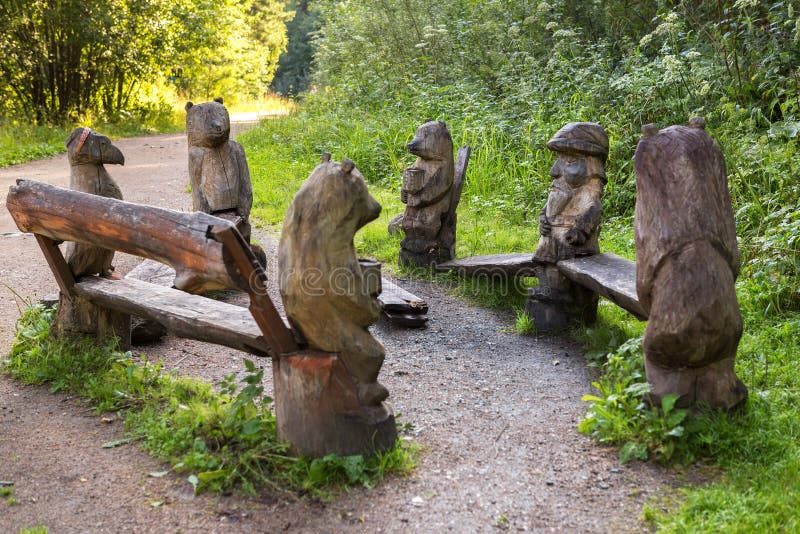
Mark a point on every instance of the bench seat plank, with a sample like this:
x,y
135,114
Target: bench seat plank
x,y
608,275
516,264
182,314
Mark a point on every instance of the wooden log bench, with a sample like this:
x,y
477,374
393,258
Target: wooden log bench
x,y
606,274
398,305
316,408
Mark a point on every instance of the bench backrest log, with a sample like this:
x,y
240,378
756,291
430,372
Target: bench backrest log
x,y
196,244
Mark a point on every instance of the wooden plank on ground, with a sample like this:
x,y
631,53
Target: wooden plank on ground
x,y
517,264
183,314
402,307
608,275
395,299
153,272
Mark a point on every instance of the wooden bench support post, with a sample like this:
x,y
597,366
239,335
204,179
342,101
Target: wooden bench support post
x,y
78,316
318,412
558,302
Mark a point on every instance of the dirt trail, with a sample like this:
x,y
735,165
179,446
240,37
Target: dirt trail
x,y
495,412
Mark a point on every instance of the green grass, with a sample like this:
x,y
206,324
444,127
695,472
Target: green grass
x,y
754,454
221,440
21,141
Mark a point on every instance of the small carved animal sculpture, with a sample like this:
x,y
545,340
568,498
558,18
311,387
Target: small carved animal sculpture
x,y
218,169
321,283
87,151
427,190
687,263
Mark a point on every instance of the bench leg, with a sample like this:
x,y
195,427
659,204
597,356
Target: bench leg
x,y
317,408
557,302
77,316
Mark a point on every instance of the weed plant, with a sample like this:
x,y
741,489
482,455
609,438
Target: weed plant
x,y
222,439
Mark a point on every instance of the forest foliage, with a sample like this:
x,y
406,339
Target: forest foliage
x,y
509,73
64,59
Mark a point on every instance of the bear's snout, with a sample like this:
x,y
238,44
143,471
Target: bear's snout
x,y
216,126
414,145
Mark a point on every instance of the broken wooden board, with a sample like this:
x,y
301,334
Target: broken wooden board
x,y
183,314
153,272
402,307
394,298
516,264
608,275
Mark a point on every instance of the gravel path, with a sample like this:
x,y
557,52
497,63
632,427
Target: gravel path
x,y
495,413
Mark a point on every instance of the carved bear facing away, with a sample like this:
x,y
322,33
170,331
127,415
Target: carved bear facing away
x,y
427,187
687,263
87,151
218,171
321,283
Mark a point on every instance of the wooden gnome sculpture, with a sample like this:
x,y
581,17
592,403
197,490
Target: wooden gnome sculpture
x,y
429,222
687,263
569,225
87,151
323,288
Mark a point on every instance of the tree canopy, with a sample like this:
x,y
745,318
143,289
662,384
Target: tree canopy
x,y
64,57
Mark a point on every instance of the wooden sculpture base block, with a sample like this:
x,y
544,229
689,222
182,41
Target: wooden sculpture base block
x,y
318,412
77,317
557,302
715,385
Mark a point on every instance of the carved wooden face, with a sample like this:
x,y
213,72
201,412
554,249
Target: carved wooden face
x,y
207,124
432,141
577,169
572,167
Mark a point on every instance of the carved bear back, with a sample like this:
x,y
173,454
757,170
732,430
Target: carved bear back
x,y
322,286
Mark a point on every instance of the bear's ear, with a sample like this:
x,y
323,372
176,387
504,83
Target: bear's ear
x,y
188,106
348,165
326,157
443,124
428,120
218,99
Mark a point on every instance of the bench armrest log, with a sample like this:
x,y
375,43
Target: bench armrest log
x,y
179,239
197,245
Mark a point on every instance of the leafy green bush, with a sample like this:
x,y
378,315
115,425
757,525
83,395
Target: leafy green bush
x,y
624,415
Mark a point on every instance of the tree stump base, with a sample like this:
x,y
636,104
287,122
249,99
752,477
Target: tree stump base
x,y
557,302
715,385
318,411
78,317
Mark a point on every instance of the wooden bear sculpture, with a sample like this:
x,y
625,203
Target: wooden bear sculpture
x,y
218,169
322,285
87,151
687,263
429,222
